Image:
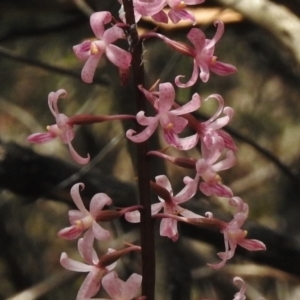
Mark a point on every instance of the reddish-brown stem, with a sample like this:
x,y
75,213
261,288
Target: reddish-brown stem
x,y
143,169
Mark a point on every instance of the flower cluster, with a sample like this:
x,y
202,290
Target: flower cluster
x,y
216,150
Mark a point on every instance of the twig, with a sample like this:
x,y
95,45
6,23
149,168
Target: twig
x,y
277,19
45,286
17,57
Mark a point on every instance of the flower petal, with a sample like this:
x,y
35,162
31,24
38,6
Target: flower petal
x,y
197,38
91,284
100,233
112,34
191,81
89,68
98,202
118,56
97,21
79,159
166,97
40,138
133,216
77,198
73,265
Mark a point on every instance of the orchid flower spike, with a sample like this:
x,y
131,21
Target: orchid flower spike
x,y
82,219
92,50
234,235
61,129
170,120
204,59
169,203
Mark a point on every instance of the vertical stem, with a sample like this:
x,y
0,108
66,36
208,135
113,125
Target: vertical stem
x,y
143,169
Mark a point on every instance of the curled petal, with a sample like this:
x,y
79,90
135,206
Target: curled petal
x,y
187,192
77,198
97,21
112,34
218,34
241,294
74,265
53,98
98,202
191,81
191,106
226,163
142,136
85,248
79,159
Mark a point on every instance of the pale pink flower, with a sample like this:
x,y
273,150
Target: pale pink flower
x,y
83,219
240,295
208,167
62,129
169,203
155,10
234,235
170,120
204,59
96,270
92,50
178,12
118,289
212,127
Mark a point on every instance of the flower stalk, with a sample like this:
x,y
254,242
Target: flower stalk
x,y
143,169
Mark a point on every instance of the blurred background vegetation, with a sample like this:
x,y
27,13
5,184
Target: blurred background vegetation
x,y
36,57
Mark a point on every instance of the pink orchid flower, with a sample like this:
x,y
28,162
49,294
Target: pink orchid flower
x,y
118,289
178,12
96,270
208,166
204,59
170,120
61,129
212,127
83,219
168,226
234,235
92,51
154,9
